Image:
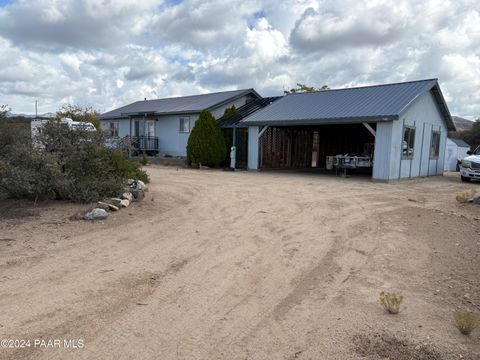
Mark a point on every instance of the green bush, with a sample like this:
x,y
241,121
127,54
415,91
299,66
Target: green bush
x,y
66,164
206,144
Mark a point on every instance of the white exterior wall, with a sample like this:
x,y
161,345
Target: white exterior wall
x,y
425,117
252,162
453,153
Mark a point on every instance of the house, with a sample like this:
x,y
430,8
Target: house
x,y
456,150
164,125
399,130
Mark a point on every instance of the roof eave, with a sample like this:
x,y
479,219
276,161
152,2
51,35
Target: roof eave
x,y
326,121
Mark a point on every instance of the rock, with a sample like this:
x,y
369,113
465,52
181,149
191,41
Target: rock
x,y
77,216
116,201
130,181
124,203
476,200
107,206
139,185
128,196
96,214
138,194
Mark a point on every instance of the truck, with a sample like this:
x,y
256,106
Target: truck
x,y
470,166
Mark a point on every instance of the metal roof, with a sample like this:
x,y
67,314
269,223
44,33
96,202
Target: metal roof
x,y
244,111
459,142
351,105
177,105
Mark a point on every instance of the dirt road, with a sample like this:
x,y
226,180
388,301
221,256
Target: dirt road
x,y
221,265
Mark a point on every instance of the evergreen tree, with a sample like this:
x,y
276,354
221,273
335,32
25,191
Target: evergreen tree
x,y
206,144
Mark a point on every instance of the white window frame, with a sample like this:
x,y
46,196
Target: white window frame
x,y
182,121
435,148
408,156
113,130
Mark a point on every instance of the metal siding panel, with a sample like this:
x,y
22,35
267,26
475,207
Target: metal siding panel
x,y
381,167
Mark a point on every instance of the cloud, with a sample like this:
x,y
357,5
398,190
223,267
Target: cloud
x,y
59,24
109,53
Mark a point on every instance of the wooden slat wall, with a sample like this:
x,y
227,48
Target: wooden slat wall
x,y
283,147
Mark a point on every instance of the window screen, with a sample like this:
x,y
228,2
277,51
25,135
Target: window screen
x,y
185,124
435,146
408,142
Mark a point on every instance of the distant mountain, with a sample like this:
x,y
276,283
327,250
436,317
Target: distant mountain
x,y
462,124
30,116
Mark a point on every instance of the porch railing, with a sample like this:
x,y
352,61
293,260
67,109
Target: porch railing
x,y
147,143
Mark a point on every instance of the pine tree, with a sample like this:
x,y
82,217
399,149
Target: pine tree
x,y
206,144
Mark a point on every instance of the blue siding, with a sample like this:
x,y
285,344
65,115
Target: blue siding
x,y
425,117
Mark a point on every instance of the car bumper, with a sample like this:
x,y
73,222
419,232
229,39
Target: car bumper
x,y
470,173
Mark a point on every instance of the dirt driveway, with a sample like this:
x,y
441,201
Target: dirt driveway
x,y
221,265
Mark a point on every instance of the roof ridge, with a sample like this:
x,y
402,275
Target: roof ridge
x,y
365,86
195,95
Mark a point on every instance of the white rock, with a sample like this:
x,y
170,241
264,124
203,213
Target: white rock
x,y
96,214
107,206
124,203
116,201
128,196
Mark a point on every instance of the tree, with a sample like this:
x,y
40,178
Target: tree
x,y
472,136
77,113
305,88
206,144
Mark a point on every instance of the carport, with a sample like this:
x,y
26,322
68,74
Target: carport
x,y
393,131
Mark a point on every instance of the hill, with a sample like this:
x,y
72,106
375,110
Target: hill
x,y
462,124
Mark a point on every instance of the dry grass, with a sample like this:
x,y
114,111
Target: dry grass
x,y
463,197
391,302
465,321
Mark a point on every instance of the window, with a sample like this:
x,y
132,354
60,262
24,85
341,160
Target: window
x,y
150,128
408,142
185,124
113,128
435,145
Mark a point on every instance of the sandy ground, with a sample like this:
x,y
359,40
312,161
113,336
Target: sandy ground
x,y
222,265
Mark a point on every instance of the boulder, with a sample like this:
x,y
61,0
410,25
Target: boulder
x,y
128,196
138,185
107,206
116,201
96,214
130,181
138,194
476,199
124,203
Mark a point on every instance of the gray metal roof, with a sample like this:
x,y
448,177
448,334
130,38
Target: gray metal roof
x,y
369,103
177,105
459,142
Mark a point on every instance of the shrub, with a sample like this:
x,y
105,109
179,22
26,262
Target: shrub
x,y
391,302
70,164
465,321
144,160
206,144
465,196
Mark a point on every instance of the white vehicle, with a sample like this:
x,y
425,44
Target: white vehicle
x,y
470,166
37,124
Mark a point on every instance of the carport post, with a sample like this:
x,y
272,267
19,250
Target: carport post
x,y
253,147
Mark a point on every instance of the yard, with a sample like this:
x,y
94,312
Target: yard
x,y
222,265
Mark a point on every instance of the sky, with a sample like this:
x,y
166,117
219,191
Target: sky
x,y
106,54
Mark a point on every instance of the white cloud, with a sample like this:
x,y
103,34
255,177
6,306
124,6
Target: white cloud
x,y
106,54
